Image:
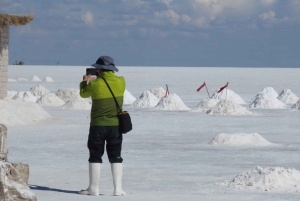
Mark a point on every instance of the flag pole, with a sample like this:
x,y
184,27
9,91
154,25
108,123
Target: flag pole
x,y
207,90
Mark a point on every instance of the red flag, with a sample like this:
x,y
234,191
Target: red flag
x,y
221,89
201,87
167,91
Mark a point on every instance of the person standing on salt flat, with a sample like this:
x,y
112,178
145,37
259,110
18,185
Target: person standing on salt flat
x,y
104,125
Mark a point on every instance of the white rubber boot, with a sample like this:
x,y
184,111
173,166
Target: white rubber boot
x,y
94,173
116,170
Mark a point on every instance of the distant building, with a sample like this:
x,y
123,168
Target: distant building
x,y
5,21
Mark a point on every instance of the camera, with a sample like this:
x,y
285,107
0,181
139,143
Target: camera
x,y
91,71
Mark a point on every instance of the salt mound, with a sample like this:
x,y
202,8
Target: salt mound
x,y
158,92
50,99
171,102
275,179
147,99
35,79
205,105
240,139
22,79
77,104
25,96
128,98
11,94
14,113
231,95
68,94
48,79
11,80
228,107
288,97
39,90
296,106
267,99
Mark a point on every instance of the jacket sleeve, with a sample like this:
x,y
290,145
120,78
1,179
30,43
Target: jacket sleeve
x,y
85,89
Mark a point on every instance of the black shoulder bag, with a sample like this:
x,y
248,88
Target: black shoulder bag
x,y
123,116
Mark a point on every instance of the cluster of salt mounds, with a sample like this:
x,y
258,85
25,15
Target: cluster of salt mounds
x,y
267,99
158,92
39,90
288,97
73,100
147,99
25,96
275,179
50,99
21,113
228,107
231,95
240,139
22,79
205,105
296,106
171,102
128,98
33,79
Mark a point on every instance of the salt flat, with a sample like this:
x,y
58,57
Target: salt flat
x,y
167,155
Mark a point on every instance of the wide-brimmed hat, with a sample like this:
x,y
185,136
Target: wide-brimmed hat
x,y
105,62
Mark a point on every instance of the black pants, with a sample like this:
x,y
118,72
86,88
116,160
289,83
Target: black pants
x,y
96,142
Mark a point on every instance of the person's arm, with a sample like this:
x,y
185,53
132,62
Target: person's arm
x,y
85,88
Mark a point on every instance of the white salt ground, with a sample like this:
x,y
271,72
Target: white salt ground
x,y
288,97
159,92
296,106
267,99
25,96
35,79
39,90
50,99
274,179
240,139
205,105
13,113
146,100
228,107
76,104
228,94
171,102
48,79
128,98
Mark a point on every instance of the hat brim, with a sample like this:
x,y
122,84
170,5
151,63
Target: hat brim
x,y
108,67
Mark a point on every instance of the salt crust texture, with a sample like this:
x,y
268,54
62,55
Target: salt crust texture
x,y
296,106
25,96
267,99
21,113
240,139
50,99
48,79
171,102
205,105
39,90
128,98
228,107
231,95
159,92
274,179
146,100
288,97
35,79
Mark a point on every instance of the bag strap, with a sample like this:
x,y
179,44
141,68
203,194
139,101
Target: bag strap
x,y
118,106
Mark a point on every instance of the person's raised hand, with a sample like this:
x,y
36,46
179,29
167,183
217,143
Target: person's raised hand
x,y
86,77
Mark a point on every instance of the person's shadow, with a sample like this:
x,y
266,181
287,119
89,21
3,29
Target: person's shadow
x,y
44,188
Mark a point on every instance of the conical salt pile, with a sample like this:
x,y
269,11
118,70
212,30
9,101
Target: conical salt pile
x,y
68,94
296,106
50,99
48,79
228,107
205,105
267,99
147,99
25,96
229,95
128,98
35,79
288,97
171,102
39,90
77,104
158,92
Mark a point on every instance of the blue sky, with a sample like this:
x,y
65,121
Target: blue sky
x,y
237,33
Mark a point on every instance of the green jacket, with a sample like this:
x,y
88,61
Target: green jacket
x,y
104,110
